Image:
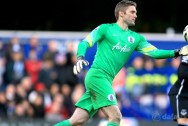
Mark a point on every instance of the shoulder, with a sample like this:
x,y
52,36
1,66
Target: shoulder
x,y
135,34
103,28
106,25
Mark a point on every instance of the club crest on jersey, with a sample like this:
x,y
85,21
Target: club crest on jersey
x,y
111,97
131,39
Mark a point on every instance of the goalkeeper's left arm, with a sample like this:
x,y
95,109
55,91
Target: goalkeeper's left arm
x,y
150,50
153,52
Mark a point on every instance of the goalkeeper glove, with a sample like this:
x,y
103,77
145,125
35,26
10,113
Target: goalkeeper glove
x,y
79,65
182,51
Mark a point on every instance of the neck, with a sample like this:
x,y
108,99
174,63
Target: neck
x,y
122,25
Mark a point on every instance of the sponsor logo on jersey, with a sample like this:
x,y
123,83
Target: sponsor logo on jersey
x,y
183,112
111,97
130,39
121,48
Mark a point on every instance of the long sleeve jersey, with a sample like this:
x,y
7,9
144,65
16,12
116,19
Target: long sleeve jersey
x,y
115,46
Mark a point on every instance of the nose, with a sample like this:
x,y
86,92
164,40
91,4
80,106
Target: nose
x,y
135,16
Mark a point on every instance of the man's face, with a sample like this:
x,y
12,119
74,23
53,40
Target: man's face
x,y
130,16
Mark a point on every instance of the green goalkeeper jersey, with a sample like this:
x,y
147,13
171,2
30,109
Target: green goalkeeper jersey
x,y
115,46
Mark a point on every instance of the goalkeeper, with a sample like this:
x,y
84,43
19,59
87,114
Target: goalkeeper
x,y
115,44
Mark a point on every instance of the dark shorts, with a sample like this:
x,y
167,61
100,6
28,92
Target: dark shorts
x,y
179,106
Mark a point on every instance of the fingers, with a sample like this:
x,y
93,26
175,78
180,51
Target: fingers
x,y
79,66
75,70
86,63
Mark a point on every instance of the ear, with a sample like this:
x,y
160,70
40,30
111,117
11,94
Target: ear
x,y
121,13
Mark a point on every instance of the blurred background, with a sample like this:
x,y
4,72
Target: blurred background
x,y
38,43
60,15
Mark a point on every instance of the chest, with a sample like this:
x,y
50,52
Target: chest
x,y
121,41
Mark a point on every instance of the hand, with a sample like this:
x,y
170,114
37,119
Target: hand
x,y
79,65
182,52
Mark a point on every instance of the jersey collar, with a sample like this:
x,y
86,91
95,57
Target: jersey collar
x,y
120,28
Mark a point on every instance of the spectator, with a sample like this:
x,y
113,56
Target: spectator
x,y
3,105
68,103
61,68
48,74
71,78
2,63
15,68
52,49
38,106
36,45
13,45
33,66
56,111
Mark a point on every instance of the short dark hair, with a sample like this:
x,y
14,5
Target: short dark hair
x,y
123,5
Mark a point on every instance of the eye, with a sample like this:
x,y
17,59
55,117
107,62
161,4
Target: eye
x,y
133,12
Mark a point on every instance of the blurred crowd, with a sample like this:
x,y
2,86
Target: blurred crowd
x,y
37,81
147,82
